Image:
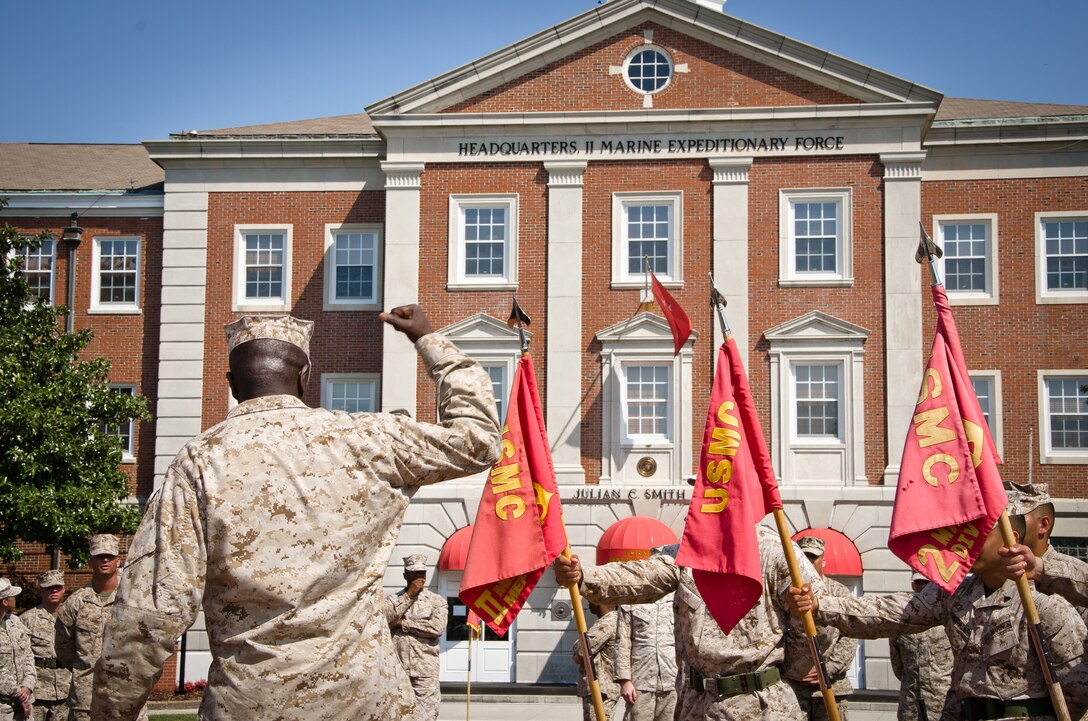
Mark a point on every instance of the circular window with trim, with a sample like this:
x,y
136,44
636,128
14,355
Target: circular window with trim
x,y
648,69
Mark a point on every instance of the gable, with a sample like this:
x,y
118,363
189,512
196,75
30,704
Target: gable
x,y
708,76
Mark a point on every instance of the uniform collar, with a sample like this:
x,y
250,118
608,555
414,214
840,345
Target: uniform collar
x,y
266,403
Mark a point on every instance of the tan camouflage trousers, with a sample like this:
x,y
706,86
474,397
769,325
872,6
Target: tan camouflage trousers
x,y
817,711
609,709
51,710
777,703
12,711
428,698
652,706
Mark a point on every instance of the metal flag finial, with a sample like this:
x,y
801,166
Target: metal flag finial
x,y
928,249
519,318
718,302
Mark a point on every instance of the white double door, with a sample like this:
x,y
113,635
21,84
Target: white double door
x,y
490,658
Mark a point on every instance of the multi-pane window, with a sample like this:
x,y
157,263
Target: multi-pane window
x,y
649,234
648,70
1067,412
965,257
499,386
355,258
353,395
817,393
115,285
816,232
1066,254
485,242
125,432
984,391
264,264
647,407
37,266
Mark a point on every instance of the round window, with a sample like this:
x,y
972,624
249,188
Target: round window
x,y
648,70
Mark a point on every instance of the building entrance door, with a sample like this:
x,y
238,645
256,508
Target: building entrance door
x,y
492,656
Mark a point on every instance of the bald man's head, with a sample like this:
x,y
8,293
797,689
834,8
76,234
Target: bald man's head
x,y
266,367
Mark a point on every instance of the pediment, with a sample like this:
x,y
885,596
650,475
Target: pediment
x,y
482,329
642,328
730,63
816,326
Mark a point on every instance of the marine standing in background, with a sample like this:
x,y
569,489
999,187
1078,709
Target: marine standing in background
x,y
735,676
923,664
645,659
17,677
279,523
417,616
81,620
838,651
54,681
602,646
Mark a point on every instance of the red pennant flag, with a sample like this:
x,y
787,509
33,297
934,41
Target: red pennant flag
x,y
474,624
949,493
674,314
734,489
519,528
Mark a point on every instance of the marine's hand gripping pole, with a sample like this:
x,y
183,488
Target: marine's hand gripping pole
x,y
719,302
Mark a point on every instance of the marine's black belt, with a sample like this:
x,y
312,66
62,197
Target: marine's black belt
x,y
984,709
726,686
46,662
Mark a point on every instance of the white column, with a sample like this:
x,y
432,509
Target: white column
x,y
730,213
564,405
401,281
181,326
902,298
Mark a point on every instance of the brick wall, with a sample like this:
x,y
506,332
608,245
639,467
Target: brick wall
x,y
1018,336
717,78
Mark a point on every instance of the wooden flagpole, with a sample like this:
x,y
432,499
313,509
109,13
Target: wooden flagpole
x,y
929,250
468,680
719,302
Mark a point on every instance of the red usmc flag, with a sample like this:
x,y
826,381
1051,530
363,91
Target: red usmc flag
x,y
678,320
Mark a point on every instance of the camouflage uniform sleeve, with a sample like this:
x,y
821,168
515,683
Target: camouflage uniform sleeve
x,y
844,649
65,646
621,658
602,632
466,438
1065,635
158,597
642,581
883,616
431,625
396,606
896,656
24,657
1064,576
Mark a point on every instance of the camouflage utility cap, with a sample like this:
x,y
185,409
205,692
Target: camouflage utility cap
x,y
49,579
274,327
811,545
1025,499
7,590
105,544
415,562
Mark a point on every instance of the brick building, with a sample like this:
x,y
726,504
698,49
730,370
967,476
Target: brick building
x,y
552,169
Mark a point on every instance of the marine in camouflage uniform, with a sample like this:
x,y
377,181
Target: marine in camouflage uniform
x,y
54,681
280,521
80,624
994,669
719,667
838,651
923,664
602,646
417,617
17,674
645,657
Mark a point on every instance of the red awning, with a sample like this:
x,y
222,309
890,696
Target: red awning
x,y
455,550
841,557
632,538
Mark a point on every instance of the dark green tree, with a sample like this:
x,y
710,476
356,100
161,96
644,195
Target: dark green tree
x,y
60,475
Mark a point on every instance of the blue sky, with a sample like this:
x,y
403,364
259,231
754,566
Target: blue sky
x,y
122,71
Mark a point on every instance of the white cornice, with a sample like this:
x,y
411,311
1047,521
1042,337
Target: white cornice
x,y
402,176
263,148
1008,130
87,204
902,166
565,173
730,171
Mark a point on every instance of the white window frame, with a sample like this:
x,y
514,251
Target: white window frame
x,y
98,307
991,295
1048,455
1043,295
508,362
996,420
641,49
647,440
787,245
621,278
258,305
128,455
332,303
797,440
20,252
456,277
372,379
